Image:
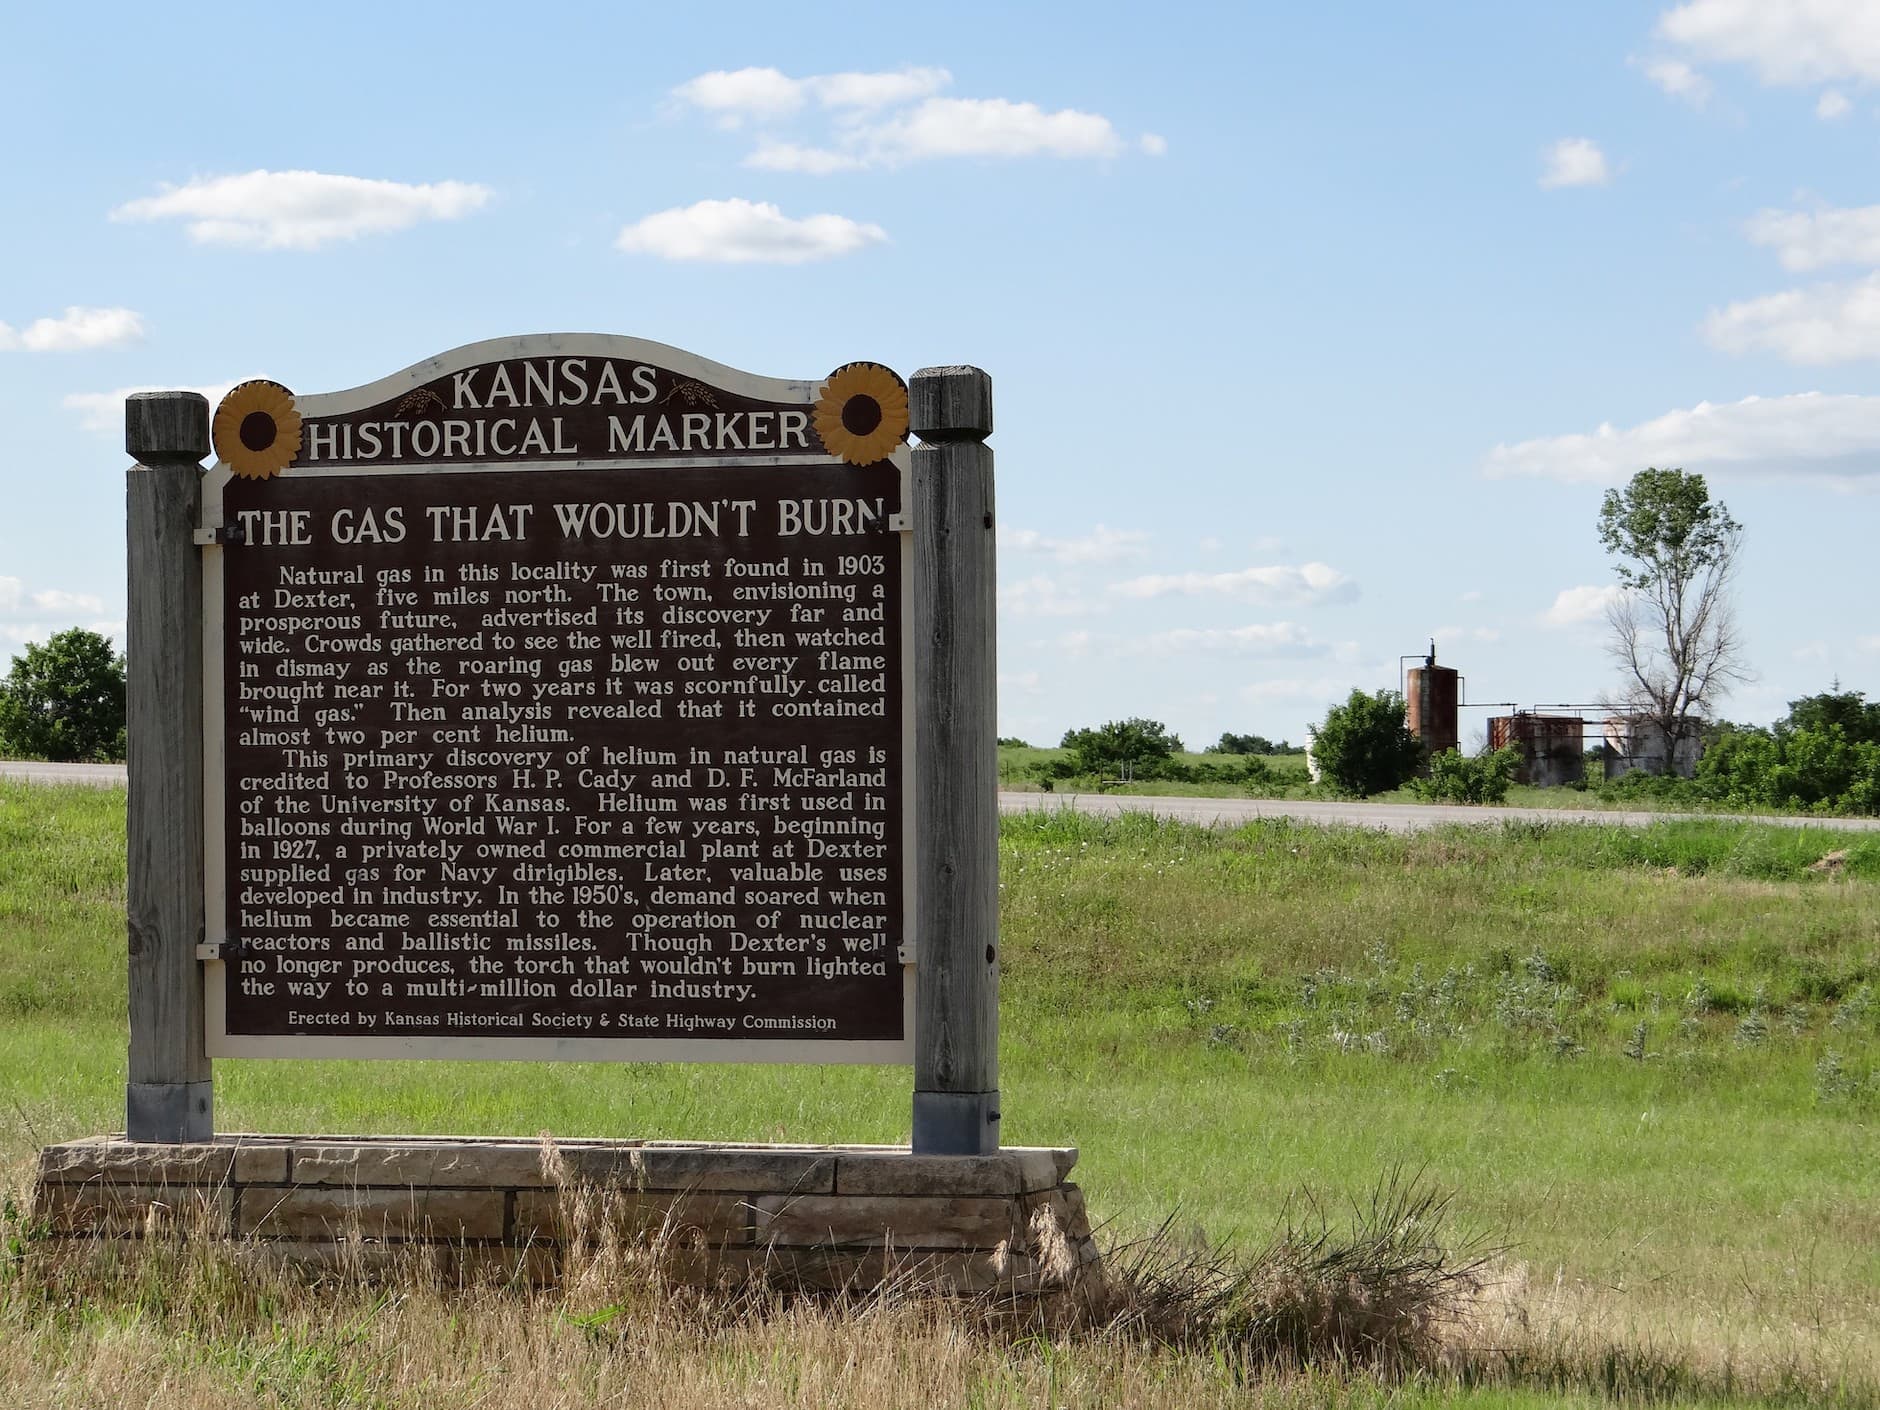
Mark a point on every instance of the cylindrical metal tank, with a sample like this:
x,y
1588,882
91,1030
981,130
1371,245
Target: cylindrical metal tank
x,y
1432,694
1552,746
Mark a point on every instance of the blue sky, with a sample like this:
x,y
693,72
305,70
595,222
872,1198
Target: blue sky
x,y
1314,330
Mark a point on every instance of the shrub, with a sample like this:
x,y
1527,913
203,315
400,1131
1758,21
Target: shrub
x,y
1135,748
1457,778
1365,745
1639,788
64,701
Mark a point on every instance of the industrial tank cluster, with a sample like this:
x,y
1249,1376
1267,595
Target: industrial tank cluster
x,y
1552,747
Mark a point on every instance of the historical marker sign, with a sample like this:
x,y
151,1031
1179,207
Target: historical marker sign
x,y
557,707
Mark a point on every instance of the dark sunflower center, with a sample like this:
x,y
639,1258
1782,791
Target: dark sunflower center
x,y
861,413
257,430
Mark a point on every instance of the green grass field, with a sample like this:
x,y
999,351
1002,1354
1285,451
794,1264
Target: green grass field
x,y
1645,1061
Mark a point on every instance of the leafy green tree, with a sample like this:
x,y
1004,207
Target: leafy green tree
x,y
1230,743
64,700
1135,748
1673,630
1365,745
1858,718
1824,757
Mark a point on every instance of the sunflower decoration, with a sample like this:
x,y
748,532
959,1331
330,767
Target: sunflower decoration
x,y
257,430
861,415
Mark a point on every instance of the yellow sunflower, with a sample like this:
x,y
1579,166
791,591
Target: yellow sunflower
x,y
257,430
861,415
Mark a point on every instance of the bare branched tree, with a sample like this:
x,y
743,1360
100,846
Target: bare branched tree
x,y
1674,630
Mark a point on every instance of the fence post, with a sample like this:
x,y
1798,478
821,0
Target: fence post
x,y
169,1096
956,766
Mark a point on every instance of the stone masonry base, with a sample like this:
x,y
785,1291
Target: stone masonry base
x,y
820,1217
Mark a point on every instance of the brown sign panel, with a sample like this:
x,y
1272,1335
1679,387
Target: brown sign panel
x,y
533,761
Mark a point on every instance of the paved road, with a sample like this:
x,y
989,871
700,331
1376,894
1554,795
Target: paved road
x,y
96,775
1230,812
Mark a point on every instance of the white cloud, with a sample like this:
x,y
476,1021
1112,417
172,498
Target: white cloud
x,y
1809,434
1867,643
870,91
75,330
736,94
1472,595
982,127
36,615
301,210
1040,596
1832,106
1577,605
1680,80
887,119
52,600
1805,240
1784,41
1276,639
805,161
1815,326
765,94
1101,545
1811,651
1575,161
104,411
738,231
1305,583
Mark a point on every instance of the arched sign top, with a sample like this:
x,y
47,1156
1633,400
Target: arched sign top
x,y
598,347
574,399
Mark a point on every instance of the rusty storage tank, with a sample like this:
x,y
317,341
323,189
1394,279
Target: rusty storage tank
x,y
1553,747
1641,744
1432,693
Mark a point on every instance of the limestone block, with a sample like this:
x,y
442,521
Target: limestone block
x,y
142,1162
461,1164
862,1221
1009,1172
315,1212
687,1220
751,1169
112,1210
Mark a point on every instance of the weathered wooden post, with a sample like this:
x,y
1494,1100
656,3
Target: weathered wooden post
x,y
954,646
169,1096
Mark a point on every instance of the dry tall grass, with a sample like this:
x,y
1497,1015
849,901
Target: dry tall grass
x,y
1388,1305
